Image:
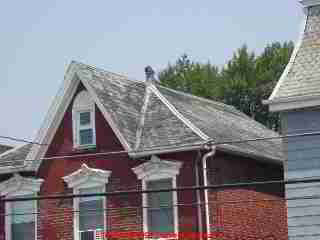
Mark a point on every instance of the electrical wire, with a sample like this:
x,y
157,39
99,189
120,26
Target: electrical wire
x,y
184,188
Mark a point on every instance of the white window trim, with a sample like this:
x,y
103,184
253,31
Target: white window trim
x,y
19,186
83,103
86,177
153,170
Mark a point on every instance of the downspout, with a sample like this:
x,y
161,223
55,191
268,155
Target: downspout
x,y
200,224
205,182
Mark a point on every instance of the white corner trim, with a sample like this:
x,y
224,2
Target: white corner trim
x,y
87,177
291,61
179,115
310,3
18,185
153,170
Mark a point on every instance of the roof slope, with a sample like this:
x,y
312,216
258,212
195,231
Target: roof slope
x,y
224,123
302,75
15,157
150,118
4,148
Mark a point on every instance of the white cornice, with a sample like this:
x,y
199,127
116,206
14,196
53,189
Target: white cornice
x,y
87,176
156,168
18,185
310,3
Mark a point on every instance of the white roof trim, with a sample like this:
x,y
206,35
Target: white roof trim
x,y
87,176
179,115
291,61
57,110
156,167
310,3
18,185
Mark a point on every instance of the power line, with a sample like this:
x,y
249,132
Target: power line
x,y
184,188
167,147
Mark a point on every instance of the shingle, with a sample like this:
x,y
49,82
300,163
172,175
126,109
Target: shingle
x,y
15,157
4,148
303,78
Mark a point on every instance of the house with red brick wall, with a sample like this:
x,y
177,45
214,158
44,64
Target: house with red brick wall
x,y
107,133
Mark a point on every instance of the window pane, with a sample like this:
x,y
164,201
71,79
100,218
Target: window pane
x,y
23,219
160,220
91,212
86,136
85,118
24,231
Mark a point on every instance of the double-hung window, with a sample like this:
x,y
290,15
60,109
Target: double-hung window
x,y
22,219
85,128
20,216
83,121
160,209
91,213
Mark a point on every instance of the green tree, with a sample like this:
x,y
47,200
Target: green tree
x,y
244,82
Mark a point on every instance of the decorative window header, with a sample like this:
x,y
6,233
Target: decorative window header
x,y
18,185
157,169
86,177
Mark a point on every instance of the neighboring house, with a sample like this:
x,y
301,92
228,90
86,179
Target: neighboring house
x,y
297,97
105,132
4,148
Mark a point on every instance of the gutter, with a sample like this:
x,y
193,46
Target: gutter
x,y
200,224
205,182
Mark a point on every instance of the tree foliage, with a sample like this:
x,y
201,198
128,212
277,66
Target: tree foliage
x,y
243,82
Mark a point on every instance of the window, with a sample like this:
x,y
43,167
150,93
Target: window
x,y
85,128
83,115
160,212
20,219
89,212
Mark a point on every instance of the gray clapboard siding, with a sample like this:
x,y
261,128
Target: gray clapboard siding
x,y
303,154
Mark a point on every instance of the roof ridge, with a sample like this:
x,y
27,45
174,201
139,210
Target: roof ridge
x,y
109,72
14,149
144,108
179,115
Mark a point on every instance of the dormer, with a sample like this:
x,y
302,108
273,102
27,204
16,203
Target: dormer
x,y
83,121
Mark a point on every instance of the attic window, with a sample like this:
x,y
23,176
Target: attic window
x,y
83,121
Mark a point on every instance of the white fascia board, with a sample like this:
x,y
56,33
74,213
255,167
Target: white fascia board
x,y
294,103
310,3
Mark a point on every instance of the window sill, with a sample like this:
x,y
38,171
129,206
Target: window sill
x,y
84,148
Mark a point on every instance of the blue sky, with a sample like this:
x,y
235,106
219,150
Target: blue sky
x,y
40,38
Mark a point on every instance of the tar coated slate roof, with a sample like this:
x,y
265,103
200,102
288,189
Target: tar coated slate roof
x,y
149,117
4,148
302,76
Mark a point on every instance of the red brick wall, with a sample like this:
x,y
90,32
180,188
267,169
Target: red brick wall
x,y
240,212
258,219
56,221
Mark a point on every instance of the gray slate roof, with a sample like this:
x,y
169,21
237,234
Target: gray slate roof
x,y
15,157
302,78
147,122
4,148
151,117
